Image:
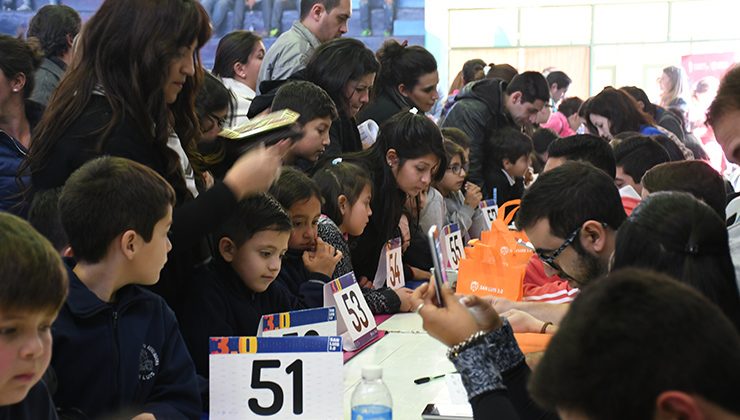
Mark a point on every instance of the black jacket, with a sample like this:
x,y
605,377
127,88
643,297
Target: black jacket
x,y
381,109
479,111
36,406
305,286
495,178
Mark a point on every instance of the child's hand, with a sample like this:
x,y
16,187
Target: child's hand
x,y
522,322
405,295
473,195
365,282
322,260
145,416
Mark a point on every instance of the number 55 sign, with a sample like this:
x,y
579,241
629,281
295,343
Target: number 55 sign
x,y
453,245
280,378
356,322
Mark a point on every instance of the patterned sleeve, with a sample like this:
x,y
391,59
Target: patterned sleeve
x,y
330,233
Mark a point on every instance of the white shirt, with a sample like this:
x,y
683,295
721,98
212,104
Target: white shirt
x,y
173,142
244,96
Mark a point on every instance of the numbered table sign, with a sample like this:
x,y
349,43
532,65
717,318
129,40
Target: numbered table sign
x,y
356,323
454,248
275,377
306,322
490,211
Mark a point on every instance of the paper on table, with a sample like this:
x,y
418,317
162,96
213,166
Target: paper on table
x,y
404,323
456,390
452,401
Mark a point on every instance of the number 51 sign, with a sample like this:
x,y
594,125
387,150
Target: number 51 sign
x,y
275,377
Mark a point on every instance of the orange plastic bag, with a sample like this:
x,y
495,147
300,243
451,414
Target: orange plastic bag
x,y
495,265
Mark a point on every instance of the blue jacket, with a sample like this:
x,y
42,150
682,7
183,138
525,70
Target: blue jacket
x,y
125,355
12,154
306,286
36,406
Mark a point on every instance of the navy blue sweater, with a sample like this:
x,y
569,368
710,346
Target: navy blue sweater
x,y
306,286
36,406
224,306
124,355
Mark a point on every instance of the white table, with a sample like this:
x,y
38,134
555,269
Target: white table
x,y
405,353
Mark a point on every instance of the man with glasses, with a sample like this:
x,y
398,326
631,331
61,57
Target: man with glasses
x,y
571,216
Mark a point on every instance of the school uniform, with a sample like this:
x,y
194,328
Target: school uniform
x,y
306,286
36,406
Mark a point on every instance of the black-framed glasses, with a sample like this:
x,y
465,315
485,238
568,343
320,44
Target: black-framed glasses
x,y
220,121
457,168
550,259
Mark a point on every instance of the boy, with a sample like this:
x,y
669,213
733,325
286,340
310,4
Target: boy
x,y
309,262
116,345
237,288
317,112
635,156
33,284
509,151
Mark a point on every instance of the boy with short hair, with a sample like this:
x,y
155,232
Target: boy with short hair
x,y
237,288
33,284
509,151
317,112
116,345
635,156
309,262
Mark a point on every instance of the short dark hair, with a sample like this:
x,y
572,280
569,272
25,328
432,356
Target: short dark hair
x,y
619,108
305,98
674,152
336,63
727,98
234,47
108,196
252,215
506,143
532,85
293,186
471,68
44,216
340,178
642,333
401,64
51,25
570,106
691,176
32,275
559,79
457,136
585,148
637,154
542,138
505,72
16,57
640,96
591,195
213,96
674,233
306,6
453,149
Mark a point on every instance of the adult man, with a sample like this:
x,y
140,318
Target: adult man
x,y
724,113
55,27
320,21
483,107
558,83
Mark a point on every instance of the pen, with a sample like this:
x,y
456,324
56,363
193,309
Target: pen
x,y
426,379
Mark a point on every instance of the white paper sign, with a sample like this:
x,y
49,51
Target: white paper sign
x,y
307,322
490,211
356,323
277,378
454,248
394,264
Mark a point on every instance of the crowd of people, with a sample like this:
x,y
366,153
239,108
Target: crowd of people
x,y
122,209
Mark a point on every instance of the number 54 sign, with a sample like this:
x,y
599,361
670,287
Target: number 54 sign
x,y
258,377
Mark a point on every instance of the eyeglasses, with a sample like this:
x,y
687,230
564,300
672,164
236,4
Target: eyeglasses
x,y
456,168
220,122
550,259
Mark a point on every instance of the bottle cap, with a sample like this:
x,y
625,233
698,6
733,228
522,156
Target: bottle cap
x,y
372,372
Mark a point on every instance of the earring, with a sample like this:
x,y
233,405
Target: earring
x,y
15,90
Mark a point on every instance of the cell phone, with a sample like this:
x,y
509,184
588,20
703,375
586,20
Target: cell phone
x,y
438,258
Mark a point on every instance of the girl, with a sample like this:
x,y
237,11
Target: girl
x,y
407,78
673,84
462,208
238,59
407,156
347,190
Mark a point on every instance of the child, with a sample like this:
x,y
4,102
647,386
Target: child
x,y
565,121
237,288
347,190
317,112
309,262
33,284
462,208
509,151
117,345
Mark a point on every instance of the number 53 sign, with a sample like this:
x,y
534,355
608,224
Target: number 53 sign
x,y
281,378
356,322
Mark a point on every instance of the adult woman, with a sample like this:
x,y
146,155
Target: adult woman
x,y
18,116
345,68
672,85
407,78
238,59
141,106
676,234
406,157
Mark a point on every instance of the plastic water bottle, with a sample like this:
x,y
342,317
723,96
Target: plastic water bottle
x,y
371,399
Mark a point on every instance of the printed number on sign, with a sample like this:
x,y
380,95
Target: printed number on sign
x,y
295,369
395,274
360,319
455,251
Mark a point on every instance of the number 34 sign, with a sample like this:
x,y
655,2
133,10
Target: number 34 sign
x,y
275,377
